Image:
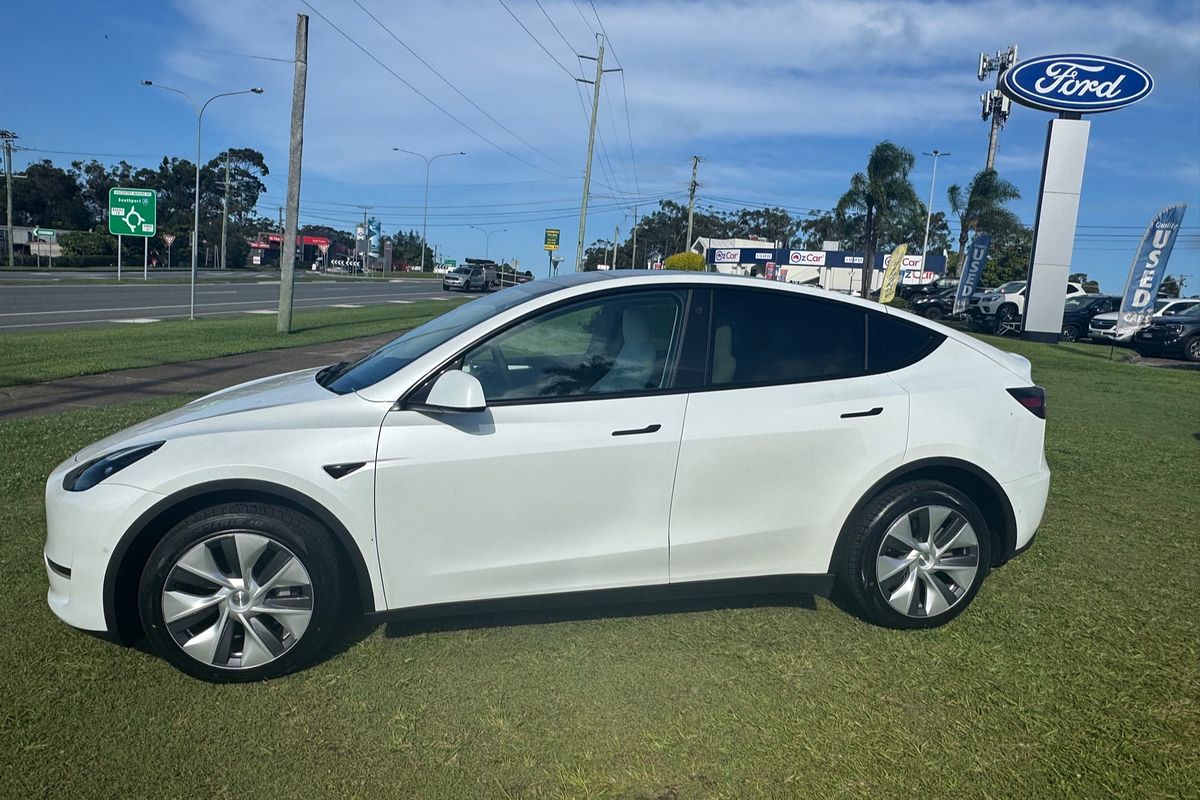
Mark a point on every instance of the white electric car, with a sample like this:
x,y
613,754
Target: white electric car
x,y
607,435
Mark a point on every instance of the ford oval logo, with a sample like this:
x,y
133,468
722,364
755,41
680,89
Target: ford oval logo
x,y
1079,83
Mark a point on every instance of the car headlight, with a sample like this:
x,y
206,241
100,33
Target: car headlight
x,y
87,475
1174,330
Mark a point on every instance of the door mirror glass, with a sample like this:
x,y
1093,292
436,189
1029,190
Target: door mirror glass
x,y
455,390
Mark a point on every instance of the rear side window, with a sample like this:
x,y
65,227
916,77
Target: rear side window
x,y
894,343
777,337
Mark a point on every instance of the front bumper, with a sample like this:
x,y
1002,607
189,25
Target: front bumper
x,y
82,531
1151,343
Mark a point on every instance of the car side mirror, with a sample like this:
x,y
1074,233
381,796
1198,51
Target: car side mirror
x,y
455,391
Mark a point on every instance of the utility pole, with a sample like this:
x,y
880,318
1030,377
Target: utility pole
x,y
587,170
929,209
225,214
8,137
616,244
687,245
633,258
996,104
287,257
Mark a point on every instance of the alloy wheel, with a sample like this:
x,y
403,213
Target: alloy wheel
x,y
928,561
237,600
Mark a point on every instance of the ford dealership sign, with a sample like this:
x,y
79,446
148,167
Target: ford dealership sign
x,y
1077,83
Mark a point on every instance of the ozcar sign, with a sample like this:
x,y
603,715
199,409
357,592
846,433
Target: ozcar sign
x,y
1076,83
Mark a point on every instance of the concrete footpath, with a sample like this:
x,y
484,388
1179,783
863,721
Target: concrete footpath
x,y
188,377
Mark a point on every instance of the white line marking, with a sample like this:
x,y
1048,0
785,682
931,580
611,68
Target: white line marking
x,y
260,311
402,301
136,320
345,305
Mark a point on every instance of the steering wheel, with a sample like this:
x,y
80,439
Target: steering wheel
x,y
492,375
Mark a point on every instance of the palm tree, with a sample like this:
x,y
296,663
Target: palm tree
x,y
981,207
877,194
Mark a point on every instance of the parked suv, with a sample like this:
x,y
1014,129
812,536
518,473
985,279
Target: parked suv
x,y
1102,325
1007,304
915,291
936,305
469,279
1175,335
1079,310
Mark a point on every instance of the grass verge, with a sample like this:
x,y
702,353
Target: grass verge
x,y
1075,674
44,356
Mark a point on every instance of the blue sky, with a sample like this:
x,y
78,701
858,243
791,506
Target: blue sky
x,y
783,100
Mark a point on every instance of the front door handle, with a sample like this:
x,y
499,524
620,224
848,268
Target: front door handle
x,y
636,431
874,412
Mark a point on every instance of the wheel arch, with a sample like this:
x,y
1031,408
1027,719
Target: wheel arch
x,y
133,550
984,490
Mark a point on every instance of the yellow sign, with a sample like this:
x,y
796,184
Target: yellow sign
x,y
551,239
891,275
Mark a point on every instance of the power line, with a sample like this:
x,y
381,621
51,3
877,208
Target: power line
x,y
629,131
457,91
536,40
425,97
606,38
82,153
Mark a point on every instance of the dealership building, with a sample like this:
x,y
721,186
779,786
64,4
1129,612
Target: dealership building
x,y
833,269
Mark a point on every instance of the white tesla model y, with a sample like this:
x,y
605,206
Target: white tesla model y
x,y
605,435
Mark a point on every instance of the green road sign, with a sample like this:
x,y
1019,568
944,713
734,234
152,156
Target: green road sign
x,y
449,262
551,239
132,212
44,233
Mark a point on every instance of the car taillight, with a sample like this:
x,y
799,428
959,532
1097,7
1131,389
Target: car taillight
x,y
1033,398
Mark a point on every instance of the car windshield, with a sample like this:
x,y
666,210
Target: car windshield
x,y
461,270
1012,287
1191,312
401,352
1076,303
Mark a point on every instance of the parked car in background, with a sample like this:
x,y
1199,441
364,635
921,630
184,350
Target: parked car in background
x,y
990,310
917,290
1176,335
468,279
1079,311
1102,326
239,532
934,306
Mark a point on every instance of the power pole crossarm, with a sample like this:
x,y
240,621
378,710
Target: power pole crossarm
x,y
587,170
287,258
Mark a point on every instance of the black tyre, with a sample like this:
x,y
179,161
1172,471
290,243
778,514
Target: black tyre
x,y
1006,313
934,313
1070,333
1191,348
915,556
241,592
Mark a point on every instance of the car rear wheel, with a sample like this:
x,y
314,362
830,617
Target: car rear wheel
x,y
241,592
933,314
916,556
1191,348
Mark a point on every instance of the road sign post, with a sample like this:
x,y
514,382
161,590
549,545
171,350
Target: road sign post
x,y
132,212
169,238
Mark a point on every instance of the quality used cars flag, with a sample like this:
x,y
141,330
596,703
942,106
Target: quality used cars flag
x,y
1148,268
970,271
892,275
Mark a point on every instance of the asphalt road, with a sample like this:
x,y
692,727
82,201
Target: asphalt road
x,y
49,307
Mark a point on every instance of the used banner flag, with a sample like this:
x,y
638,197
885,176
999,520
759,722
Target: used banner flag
x,y
1148,268
970,271
891,275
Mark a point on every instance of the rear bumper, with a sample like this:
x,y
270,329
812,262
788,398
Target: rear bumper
x,y
1028,498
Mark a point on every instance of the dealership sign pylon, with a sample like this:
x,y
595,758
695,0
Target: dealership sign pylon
x,y
1072,85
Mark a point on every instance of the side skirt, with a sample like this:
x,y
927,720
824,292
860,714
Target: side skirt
x,y
820,584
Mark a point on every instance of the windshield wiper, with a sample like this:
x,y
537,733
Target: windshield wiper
x,y
328,375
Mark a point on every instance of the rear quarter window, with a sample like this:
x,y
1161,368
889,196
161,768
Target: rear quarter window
x,y
893,343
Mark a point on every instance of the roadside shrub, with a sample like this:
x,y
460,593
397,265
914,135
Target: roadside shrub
x,y
690,262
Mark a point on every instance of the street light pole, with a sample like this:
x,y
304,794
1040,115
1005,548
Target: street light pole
x,y
487,242
929,209
428,165
196,214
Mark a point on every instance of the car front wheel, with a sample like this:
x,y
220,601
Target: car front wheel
x,y
1191,348
241,592
1070,333
916,556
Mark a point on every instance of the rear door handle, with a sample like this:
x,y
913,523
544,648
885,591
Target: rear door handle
x,y
636,431
874,412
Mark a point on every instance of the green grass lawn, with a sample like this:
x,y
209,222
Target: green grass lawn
x,y
1075,674
44,356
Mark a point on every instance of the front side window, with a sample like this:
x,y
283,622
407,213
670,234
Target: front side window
x,y
776,337
618,344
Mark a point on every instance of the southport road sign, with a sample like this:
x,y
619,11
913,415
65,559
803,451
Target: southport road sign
x,y
132,212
